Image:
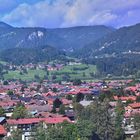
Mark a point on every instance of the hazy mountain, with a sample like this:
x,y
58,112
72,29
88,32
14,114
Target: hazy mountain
x,y
4,25
30,55
62,38
123,41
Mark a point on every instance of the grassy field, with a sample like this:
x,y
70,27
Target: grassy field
x,y
3,62
74,72
29,76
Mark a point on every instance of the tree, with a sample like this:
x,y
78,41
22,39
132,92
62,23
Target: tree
x,y
5,83
16,135
89,97
10,92
54,133
54,77
85,129
57,103
1,111
77,82
64,131
19,112
129,102
69,97
137,121
137,135
53,109
62,109
107,94
36,77
78,109
104,122
84,75
54,89
25,71
70,131
40,133
119,110
138,99
79,97
66,77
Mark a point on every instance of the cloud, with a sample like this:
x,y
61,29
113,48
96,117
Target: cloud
x,y
6,5
64,13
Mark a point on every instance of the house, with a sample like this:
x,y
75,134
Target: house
x,y
134,106
3,132
132,109
85,103
70,114
39,108
26,125
125,98
132,88
2,120
55,120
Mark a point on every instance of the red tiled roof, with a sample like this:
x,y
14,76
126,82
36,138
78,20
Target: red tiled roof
x,y
56,120
125,98
2,130
49,94
135,105
48,120
24,121
66,102
2,91
132,88
8,103
73,92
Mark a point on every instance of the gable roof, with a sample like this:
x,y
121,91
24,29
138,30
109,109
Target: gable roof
x,y
135,105
125,98
24,121
2,130
48,120
56,120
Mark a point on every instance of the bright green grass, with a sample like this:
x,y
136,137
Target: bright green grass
x,y
3,62
84,73
29,76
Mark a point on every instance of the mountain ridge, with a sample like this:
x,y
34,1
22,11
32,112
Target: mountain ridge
x,y
125,39
63,38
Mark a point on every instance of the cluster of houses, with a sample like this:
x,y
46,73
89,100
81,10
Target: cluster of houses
x,y
38,99
43,66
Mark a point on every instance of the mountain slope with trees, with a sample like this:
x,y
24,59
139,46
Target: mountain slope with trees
x,y
61,38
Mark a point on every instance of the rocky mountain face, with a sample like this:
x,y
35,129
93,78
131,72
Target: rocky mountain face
x,y
61,38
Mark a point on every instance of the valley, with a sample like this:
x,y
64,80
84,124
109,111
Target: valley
x,y
82,80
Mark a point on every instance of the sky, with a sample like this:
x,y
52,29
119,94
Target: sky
x,y
68,13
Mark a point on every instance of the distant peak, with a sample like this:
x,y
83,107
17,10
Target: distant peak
x,y
4,25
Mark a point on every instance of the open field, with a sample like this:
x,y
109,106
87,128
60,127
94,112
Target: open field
x,y
26,76
75,72
81,71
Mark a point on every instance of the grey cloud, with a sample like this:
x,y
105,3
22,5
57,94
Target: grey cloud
x,y
63,13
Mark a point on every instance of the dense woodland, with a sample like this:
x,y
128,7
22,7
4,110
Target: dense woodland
x,y
20,56
118,66
115,52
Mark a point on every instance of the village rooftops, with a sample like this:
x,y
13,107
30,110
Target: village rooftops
x,y
56,120
24,121
48,120
135,105
125,98
2,130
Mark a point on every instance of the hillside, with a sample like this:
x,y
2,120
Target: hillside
x,y
117,53
123,41
31,55
62,38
